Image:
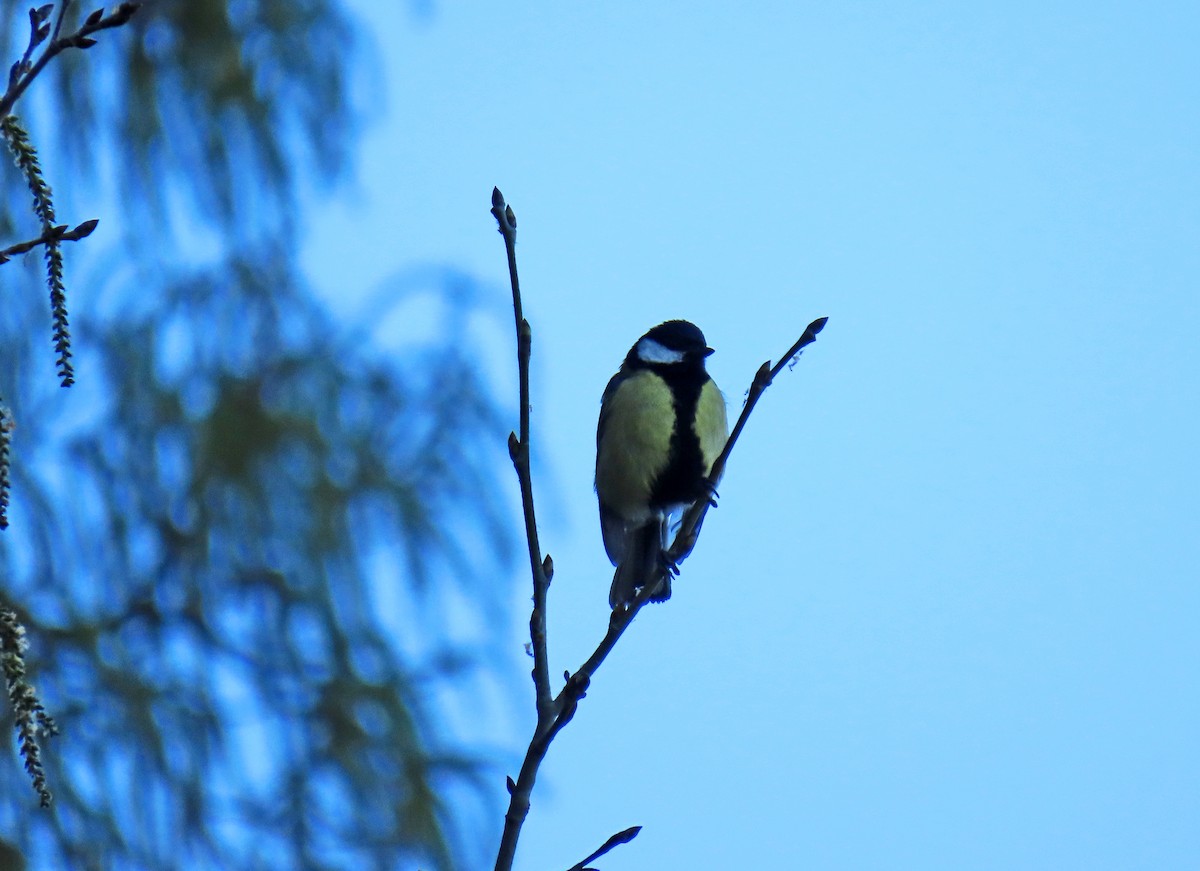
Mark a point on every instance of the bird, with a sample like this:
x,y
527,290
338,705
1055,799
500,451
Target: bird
x,y
662,425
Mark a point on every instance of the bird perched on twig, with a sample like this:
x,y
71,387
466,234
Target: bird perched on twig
x,y
662,425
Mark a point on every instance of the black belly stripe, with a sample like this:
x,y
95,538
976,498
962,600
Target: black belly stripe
x,y
682,479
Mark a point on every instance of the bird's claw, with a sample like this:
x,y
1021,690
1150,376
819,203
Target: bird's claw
x,y
669,567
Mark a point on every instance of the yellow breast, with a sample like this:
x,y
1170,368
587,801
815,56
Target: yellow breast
x,y
637,439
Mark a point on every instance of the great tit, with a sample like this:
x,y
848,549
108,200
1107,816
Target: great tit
x,y
662,425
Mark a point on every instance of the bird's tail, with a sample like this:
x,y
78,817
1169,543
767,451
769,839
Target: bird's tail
x,y
642,565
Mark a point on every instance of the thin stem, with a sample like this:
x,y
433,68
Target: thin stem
x,y
78,39
58,233
518,447
618,622
693,518
619,838
541,569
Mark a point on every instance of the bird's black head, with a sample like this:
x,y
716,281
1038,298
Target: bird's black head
x,y
669,343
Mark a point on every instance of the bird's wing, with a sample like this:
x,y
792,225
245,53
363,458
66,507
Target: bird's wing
x,y
612,527
616,534
613,384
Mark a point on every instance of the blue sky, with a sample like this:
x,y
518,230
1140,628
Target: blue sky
x,y
945,616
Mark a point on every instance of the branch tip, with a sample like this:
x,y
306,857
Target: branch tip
x,y
615,841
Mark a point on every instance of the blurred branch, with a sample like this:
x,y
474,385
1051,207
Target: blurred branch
x,y
6,428
30,718
25,70
554,714
247,532
245,529
20,77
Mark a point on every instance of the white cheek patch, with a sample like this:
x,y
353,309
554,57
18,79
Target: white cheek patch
x,y
650,351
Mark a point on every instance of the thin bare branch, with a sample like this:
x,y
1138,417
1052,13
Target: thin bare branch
x,y
693,518
59,233
26,69
541,568
615,841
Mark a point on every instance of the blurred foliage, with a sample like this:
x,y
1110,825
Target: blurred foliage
x,y
233,101
238,541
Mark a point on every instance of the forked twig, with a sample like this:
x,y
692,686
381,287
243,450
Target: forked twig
x,y
59,233
25,70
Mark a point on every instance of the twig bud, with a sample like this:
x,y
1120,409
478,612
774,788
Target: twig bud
x,y
94,17
124,13
762,379
85,229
